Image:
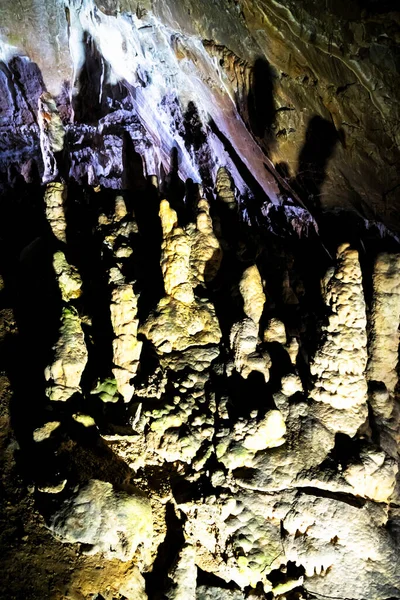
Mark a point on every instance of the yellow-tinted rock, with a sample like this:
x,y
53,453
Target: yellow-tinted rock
x,y
247,358
69,280
126,347
70,358
85,420
44,432
385,317
252,291
175,256
206,252
270,433
175,325
339,364
275,332
224,188
54,199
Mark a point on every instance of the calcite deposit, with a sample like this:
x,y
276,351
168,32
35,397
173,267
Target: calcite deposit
x,y
199,300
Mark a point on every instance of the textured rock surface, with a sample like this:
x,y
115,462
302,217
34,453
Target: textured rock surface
x,y
69,280
54,198
339,365
384,342
70,358
108,521
126,347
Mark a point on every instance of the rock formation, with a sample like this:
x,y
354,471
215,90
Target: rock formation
x,y
70,358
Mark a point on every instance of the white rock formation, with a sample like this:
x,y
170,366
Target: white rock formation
x,y
224,188
180,320
183,575
251,289
175,256
244,337
206,252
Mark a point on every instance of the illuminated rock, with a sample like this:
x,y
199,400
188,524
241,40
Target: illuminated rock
x,y
247,357
54,199
70,358
126,346
385,317
69,280
251,288
224,188
175,256
51,134
206,252
339,365
116,523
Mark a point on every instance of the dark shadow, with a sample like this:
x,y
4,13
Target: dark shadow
x,y
319,145
95,99
87,108
167,553
174,187
133,178
260,101
257,192
196,143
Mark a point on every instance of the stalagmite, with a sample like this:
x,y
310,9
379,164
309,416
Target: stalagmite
x,y
385,318
126,347
211,426
244,341
244,336
339,364
175,256
206,252
70,358
181,320
252,292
